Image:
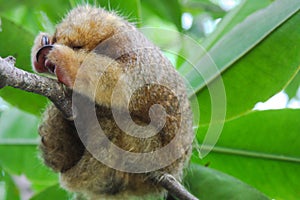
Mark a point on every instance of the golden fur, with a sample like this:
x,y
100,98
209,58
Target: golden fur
x,y
94,51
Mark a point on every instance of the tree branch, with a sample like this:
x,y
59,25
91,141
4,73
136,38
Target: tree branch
x,y
62,98
50,88
177,190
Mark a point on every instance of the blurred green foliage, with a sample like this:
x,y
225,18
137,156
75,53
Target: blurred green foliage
x,y
255,46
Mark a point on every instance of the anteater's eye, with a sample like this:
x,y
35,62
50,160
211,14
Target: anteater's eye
x,y
77,47
45,40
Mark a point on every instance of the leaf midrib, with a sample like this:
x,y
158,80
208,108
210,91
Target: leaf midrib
x,y
214,51
248,153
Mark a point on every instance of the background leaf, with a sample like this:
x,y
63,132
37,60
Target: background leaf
x,y
28,13
209,184
25,129
196,7
8,189
53,192
23,159
166,10
257,75
129,9
13,31
236,16
27,101
18,148
260,153
294,85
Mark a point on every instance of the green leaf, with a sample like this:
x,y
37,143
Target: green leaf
x,y
233,18
18,150
29,102
50,193
258,148
209,184
16,41
23,159
166,10
8,189
293,86
16,124
255,75
129,9
232,47
196,7
28,13
18,45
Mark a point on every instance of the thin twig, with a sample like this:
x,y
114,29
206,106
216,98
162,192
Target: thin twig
x,y
60,96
